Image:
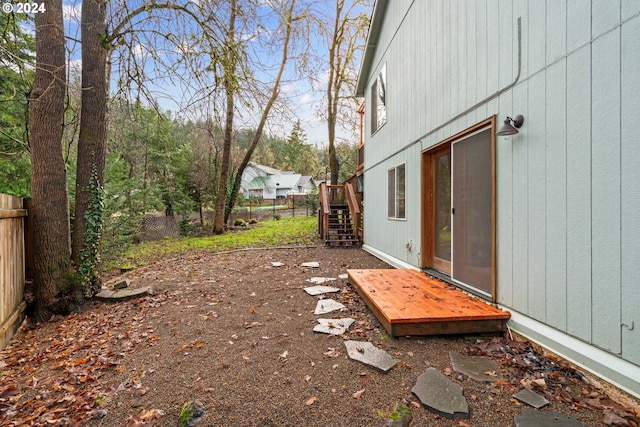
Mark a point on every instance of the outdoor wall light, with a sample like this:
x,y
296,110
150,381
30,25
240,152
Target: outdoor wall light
x,y
511,126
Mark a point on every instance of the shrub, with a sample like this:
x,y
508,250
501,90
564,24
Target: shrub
x,y
239,223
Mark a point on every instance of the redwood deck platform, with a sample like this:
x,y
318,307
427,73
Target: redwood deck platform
x,y
408,302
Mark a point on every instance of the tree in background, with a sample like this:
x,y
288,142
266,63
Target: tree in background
x,y
298,156
346,38
50,208
287,20
16,60
230,85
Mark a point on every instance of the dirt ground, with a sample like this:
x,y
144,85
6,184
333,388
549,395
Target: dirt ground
x,y
235,334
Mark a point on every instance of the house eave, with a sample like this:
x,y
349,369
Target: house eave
x,y
377,17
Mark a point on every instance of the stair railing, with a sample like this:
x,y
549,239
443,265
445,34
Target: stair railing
x,y
354,207
323,212
336,194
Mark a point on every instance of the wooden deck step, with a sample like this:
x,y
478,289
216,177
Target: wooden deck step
x,y
408,302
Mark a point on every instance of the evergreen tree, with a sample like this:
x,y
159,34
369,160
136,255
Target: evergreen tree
x,y
16,60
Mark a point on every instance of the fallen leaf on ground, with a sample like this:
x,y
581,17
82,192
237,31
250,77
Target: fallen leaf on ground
x,y
358,394
311,401
331,352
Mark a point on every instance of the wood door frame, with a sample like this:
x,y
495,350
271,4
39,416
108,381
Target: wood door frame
x,y
428,198
430,208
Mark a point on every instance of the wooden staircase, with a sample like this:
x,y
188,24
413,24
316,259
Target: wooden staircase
x,y
338,215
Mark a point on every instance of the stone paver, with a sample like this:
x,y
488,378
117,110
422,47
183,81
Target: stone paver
x,y
122,295
319,290
312,264
320,280
531,398
535,418
367,353
478,368
121,284
441,395
277,264
344,276
327,305
333,326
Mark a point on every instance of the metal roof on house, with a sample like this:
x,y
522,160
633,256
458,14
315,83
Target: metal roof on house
x,y
285,181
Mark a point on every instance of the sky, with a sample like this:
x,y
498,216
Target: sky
x,y
304,98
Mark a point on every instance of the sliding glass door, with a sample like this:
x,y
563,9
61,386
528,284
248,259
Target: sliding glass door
x,y
459,209
471,208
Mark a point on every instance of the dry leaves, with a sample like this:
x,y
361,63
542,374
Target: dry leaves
x,y
146,418
66,362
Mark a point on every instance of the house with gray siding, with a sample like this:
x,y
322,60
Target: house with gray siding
x,y
543,222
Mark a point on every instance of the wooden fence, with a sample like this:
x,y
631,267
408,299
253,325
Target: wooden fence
x,y
12,266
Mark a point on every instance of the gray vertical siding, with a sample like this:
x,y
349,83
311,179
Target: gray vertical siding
x,y
630,187
568,186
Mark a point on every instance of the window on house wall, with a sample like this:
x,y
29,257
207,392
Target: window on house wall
x,y
378,100
396,192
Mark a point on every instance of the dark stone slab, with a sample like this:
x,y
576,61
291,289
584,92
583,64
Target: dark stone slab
x,y
367,353
535,418
478,368
441,395
531,398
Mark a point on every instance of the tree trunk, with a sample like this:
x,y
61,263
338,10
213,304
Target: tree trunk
x,y
92,143
333,92
265,114
230,89
50,207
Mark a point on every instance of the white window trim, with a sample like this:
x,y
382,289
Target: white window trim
x,y
395,193
375,119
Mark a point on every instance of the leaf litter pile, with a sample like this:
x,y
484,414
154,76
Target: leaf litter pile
x,y
232,335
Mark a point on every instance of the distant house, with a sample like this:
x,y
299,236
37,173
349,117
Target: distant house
x,y
280,186
545,223
254,170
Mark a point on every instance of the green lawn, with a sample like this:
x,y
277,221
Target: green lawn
x,y
300,230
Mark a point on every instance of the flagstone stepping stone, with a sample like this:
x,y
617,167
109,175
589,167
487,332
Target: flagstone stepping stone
x,y
327,305
312,264
478,368
369,354
320,280
122,294
119,284
534,418
333,326
277,264
344,276
441,395
319,290
531,398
